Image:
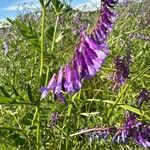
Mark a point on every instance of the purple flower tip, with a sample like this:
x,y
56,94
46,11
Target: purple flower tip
x,y
143,96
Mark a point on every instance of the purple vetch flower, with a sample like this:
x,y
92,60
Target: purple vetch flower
x,y
54,119
59,86
143,97
78,25
72,81
88,58
130,130
77,19
50,86
139,36
121,74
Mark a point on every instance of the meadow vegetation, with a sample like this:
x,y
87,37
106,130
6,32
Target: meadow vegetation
x,y
50,35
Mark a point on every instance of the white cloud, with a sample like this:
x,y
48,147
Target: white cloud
x,y
91,5
19,4
10,8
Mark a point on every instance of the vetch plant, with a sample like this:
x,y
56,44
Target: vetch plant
x,y
41,46
89,55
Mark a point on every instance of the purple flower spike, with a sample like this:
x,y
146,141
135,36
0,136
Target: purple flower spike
x,y
121,74
143,96
89,56
131,130
54,119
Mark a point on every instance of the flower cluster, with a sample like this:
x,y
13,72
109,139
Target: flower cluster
x,y
78,25
131,129
54,119
89,55
122,71
134,130
143,97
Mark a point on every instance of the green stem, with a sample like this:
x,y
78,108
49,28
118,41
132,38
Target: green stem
x,y
54,35
30,104
123,92
53,44
38,111
18,130
42,40
38,134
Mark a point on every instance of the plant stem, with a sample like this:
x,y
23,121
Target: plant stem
x,y
42,40
54,35
53,44
38,111
38,134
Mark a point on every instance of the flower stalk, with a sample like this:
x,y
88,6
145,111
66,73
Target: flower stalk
x,y
54,35
38,111
42,40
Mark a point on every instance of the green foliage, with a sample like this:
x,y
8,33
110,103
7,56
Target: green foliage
x,y
20,82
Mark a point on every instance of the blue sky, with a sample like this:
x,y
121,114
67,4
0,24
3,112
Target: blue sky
x,y
8,7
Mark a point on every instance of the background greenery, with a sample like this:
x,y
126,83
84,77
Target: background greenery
x,y
20,81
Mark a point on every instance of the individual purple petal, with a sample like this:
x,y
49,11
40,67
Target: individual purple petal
x,y
50,86
76,80
100,34
107,11
60,97
101,55
93,62
111,3
68,80
90,62
90,42
106,22
58,87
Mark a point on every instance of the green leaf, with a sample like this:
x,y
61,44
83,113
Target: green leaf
x,y
69,109
6,100
90,114
11,21
47,4
135,110
57,6
42,3
15,91
5,93
50,33
27,31
59,38
130,108
30,95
